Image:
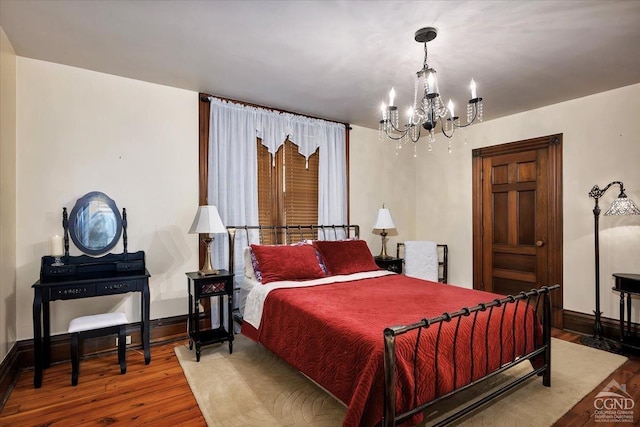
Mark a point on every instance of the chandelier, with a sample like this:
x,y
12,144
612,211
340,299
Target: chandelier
x,y
428,110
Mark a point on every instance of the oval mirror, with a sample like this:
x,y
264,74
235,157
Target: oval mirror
x,y
95,223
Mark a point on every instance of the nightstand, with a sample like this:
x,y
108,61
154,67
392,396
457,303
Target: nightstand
x,y
390,264
205,286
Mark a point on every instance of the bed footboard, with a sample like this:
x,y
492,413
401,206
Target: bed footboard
x,y
537,300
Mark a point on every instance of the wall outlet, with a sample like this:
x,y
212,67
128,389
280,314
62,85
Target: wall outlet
x,y
128,340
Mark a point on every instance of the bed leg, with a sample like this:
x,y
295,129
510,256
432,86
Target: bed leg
x,y
546,324
389,379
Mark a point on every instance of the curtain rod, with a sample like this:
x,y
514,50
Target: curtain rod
x,y
204,97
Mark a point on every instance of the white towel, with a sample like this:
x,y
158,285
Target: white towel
x,y
421,260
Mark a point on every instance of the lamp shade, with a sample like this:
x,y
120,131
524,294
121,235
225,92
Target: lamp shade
x,y
207,220
623,206
384,220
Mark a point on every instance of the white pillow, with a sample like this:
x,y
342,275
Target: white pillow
x,y
248,265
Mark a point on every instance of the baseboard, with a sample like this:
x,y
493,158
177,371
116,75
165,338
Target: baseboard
x,y
20,357
582,323
9,373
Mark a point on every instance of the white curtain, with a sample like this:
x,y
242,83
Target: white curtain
x,y
233,181
233,129
332,176
233,166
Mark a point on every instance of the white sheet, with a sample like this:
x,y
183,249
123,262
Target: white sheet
x,y
257,295
245,288
421,260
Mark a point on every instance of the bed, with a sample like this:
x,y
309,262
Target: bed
x,y
386,345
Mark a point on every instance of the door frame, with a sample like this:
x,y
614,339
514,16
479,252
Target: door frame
x,y
553,143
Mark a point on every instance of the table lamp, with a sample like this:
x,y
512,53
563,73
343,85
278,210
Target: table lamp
x,y
384,222
207,222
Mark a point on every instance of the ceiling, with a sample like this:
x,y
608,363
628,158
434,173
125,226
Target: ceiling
x,y
338,59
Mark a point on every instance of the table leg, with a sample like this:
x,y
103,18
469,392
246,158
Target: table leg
x,y
37,338
46,342
196,319
230,321
628,314
621,317
145,324
190,319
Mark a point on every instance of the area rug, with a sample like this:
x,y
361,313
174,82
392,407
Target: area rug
x,y
253,387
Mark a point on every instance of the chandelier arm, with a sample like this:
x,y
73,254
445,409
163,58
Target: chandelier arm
x,y
393,137
475,116
403,131
444,132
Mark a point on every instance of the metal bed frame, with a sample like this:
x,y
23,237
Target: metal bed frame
x,y
496,307
275,234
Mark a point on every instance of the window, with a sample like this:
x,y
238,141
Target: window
x,y
287,186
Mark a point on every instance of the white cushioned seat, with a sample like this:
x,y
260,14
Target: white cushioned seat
x,y
94,326
97,321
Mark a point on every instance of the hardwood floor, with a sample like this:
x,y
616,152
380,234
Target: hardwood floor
x,y
155,394
158,394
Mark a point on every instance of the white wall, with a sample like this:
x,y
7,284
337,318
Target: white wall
x,y
601,143
376,176
81,131
7,195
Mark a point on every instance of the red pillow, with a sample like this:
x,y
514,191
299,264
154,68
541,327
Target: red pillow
x,y
346,256
287,262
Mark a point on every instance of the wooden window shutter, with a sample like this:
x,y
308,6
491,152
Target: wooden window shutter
x,y
267,189
287,188
301,186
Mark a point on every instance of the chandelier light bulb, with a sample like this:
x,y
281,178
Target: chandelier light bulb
x,y
474,94
392,96
383,107
450,107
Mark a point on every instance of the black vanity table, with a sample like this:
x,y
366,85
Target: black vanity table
x,y
627,285
73,277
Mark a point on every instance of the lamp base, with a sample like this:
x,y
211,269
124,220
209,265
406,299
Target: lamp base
x,y
383,251
207,268
600,343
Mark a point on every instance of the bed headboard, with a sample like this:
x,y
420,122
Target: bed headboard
x,y
287,234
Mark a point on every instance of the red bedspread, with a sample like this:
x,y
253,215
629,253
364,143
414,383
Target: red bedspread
x,y
334,334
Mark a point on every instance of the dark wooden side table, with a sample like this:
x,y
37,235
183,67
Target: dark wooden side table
x,y
205,286
627,285
390,264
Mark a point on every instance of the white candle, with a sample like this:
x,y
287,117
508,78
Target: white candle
x,y
56,246
450,107
392,97
383,107
474,95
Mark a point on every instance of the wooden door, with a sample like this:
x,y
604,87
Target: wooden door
x,y
518,218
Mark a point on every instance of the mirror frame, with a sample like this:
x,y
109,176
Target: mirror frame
x,y
94,196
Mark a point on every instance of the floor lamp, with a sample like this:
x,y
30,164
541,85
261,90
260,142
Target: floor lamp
x,y
620,206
